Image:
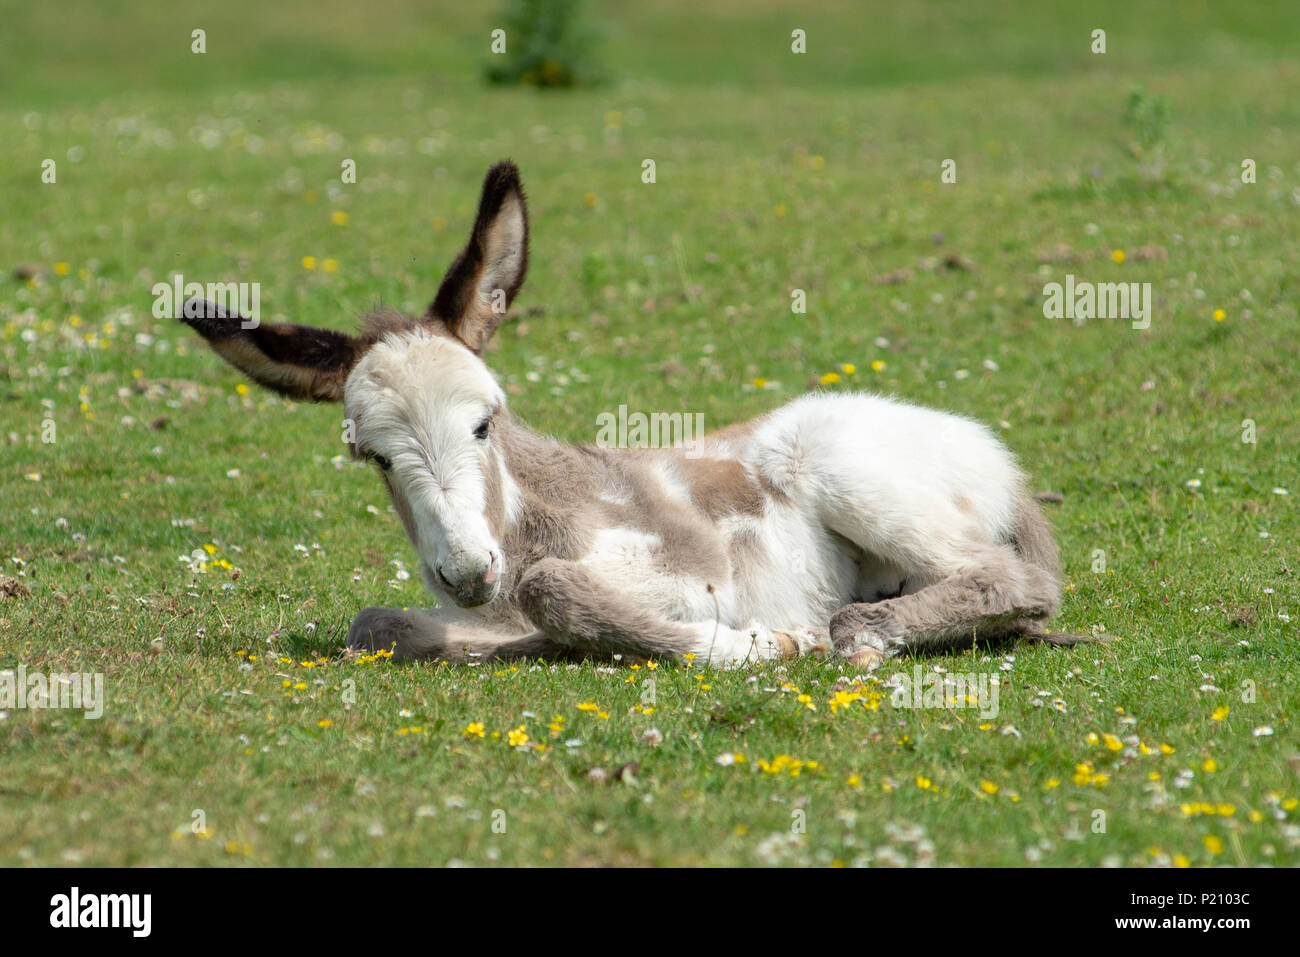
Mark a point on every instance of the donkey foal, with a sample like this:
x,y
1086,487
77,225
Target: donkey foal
x,y
900,527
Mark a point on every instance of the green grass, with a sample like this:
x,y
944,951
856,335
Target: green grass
x,y
775,172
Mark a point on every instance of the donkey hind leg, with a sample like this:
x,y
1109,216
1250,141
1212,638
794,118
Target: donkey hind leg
x,y
572,607
441,634
999,597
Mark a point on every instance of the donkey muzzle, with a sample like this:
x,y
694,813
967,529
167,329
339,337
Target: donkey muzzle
x,y
471,579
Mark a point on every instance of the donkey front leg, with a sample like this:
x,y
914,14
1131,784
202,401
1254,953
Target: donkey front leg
x,y
442,633
1002,597
574,608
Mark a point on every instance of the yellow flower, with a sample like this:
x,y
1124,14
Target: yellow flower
x,y
589,199
1113,743
1226,810
843,699
854,781
758,383
848,368
330,265
308,262
1092,737
779,210
474,729
830,378
1051,783
1117,255
324,723
1166,749
1210,765
1220,315
988,787
1220,713
1214,844
241,389
212,550
807,701
518,737
1255,816
61,268
588,706
300,686
923,783
1181,860
339,218
878,365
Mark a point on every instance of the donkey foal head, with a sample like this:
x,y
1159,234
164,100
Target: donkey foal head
x,y
421,401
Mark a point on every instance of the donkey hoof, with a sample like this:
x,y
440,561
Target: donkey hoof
x,y
802,641
374,629
868,659
870,648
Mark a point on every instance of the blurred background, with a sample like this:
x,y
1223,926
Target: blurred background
x,y
84,49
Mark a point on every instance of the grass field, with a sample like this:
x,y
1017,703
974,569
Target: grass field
x,y
204,545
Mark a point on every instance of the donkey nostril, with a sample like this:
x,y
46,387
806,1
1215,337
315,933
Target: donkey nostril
x,y
491,575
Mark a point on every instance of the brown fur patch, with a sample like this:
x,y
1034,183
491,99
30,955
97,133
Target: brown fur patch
x,y
722,487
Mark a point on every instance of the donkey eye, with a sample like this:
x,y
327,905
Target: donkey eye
x,y
382,462
482,431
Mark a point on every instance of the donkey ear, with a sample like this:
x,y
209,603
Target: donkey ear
x,y
485,277
298,361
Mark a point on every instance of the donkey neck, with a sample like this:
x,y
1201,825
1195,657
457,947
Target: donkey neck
x,y
546,471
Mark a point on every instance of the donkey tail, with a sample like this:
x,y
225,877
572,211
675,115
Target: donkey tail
x,y
1034,631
